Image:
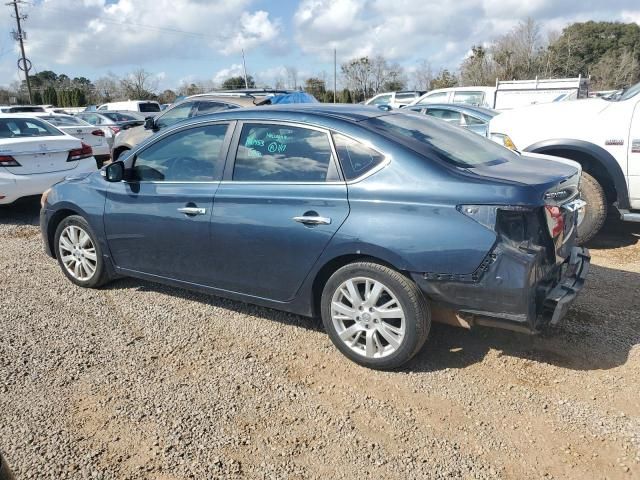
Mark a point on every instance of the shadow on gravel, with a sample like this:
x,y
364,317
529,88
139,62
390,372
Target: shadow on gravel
x,y
211,300
597,334
615,233
25,211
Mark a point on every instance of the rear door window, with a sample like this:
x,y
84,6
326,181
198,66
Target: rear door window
x,y
356,159
282,153
440,97
446,115
191,155
470,98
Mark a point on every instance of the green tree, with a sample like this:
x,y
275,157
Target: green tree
x,y
444,79
345,96
37,98
316,87
50,96
233,83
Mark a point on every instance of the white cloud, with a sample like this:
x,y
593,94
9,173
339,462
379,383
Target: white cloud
x,y
441,31
134,32
234,70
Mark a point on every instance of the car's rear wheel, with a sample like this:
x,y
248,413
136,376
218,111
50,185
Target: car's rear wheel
x,y
592,218
78,253
374,315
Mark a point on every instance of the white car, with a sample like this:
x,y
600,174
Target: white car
x,y
34,155
149,107
603,135
394,99
99,139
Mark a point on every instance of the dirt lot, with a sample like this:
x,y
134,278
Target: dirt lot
x,y
143,381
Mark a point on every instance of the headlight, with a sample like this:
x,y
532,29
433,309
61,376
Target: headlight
x,y
44,197
503,140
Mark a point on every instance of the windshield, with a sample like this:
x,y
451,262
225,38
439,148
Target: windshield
x,y
625,94
67,121
26,127
432,137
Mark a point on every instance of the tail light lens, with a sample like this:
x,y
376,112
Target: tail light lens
x,y
555,220
79,153
98,133
115,129
8,161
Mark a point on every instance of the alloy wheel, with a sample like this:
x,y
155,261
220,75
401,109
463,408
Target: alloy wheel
x,y
368,317
78,253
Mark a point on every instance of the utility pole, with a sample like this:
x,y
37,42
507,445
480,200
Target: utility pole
x,y
335,77
20,35
244,66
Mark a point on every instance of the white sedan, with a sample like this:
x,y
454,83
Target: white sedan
x,y
99,139
34,155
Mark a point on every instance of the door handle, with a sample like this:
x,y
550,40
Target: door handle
x,y
192,211
312,220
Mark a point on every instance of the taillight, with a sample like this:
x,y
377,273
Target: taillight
x,y
8,161
115,129
79,153
555,220
98,133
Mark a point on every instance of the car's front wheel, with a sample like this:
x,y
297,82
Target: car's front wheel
x,y
592,218
78,253
374,315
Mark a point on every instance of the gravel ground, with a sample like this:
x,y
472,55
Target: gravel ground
x,y
143,381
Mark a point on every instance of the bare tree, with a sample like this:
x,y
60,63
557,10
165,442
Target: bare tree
x,y
292,77
422,76
107,89
139,85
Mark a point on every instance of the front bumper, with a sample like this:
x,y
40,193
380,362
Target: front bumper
x,y
513,288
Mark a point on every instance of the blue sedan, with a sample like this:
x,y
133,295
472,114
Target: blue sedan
x,y
376,221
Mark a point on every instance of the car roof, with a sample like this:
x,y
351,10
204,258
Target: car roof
x,y
297,112
239,99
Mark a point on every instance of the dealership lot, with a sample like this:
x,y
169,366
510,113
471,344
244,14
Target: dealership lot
x,y
139,380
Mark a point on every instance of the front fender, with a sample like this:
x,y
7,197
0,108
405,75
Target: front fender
x,y
601,156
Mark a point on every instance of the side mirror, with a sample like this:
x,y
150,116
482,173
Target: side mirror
x,y
114,172
149,123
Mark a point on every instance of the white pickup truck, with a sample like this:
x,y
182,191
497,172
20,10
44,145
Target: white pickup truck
x,y
603,135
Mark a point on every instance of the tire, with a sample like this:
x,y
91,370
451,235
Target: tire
x,y
117,153
596,210
85,254
379,338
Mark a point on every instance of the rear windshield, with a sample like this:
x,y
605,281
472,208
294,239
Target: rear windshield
x,y
26,127
120,117
149,107
23,109
66,121
432,137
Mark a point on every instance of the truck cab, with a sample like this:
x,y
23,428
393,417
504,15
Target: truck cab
x,y
602,134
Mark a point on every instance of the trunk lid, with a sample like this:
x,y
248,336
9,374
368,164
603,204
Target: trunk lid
x,y
85,134
40,154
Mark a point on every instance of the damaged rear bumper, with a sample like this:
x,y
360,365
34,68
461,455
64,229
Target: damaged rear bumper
x,y
513,288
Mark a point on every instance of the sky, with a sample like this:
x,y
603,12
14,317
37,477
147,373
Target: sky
x,y
182,41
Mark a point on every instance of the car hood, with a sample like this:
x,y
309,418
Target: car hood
x,y
574,111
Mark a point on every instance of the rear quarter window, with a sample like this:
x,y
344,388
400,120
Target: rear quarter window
x,y
356,159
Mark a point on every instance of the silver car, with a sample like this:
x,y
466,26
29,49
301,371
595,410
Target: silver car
x,y
471,117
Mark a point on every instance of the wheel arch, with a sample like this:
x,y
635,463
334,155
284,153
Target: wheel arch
x,y
336,263
54,221
595,160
